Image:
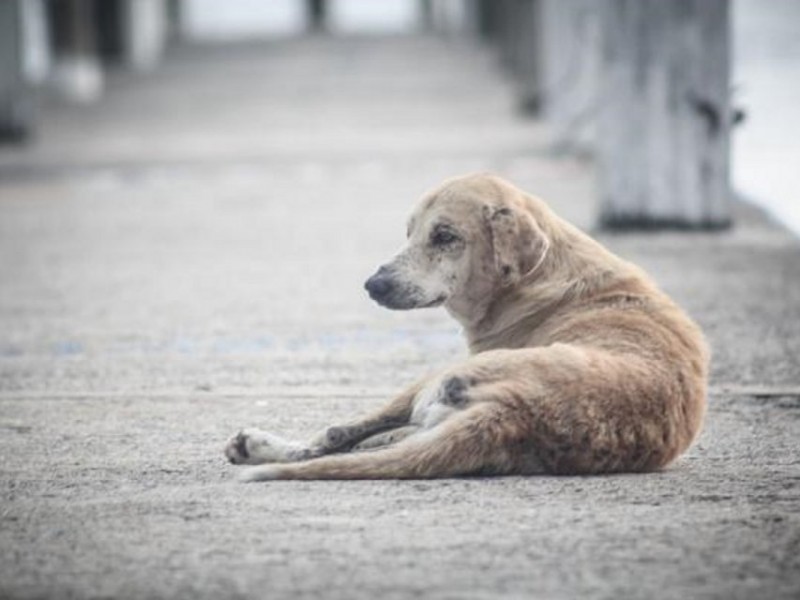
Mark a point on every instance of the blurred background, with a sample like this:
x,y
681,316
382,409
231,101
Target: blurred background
x,y
58,52
192,178
192,194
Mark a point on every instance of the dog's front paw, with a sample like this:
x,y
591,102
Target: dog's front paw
x,y
254,447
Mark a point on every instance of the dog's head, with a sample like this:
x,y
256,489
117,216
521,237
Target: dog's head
x,y
467,239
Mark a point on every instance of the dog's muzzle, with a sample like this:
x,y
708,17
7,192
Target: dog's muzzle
x,y
391,291
380,286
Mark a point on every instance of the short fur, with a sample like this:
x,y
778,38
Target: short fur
x,y
579,363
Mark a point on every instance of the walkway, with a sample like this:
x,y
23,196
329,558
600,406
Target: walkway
x,y
187,258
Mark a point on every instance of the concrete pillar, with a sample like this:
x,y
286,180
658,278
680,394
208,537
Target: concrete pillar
x,y
449,17
663,145
571,42
489,14
316,15
514,26
24,65
77,71
526,54
36,53
508,31
14,121
145,28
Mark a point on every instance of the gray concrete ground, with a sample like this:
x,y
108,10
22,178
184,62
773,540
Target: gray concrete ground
x,y
187,258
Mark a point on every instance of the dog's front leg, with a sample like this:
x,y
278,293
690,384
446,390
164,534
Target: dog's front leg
x,y
393,415
253,446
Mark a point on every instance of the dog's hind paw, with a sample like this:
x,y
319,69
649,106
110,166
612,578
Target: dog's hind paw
x,y
254,447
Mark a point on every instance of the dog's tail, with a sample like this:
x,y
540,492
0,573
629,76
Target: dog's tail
x,y
468,443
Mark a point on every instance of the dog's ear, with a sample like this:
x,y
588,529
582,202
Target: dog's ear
x,y
518,243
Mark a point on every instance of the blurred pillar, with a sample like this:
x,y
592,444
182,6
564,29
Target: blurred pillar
x,y
665,116
508,31
316,15
132,32
489,14
145,28
449,17
515,28
426,15
571,48
174,12
77,73
15,116
36,53
527,54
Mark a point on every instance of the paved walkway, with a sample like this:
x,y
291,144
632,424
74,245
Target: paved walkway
x,y
187,258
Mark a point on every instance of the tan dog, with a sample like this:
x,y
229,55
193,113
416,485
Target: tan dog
x,y
579,363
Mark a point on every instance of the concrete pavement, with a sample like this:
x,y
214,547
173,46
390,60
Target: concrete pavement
x,y
187,258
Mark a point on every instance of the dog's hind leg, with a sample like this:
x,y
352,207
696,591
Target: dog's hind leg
x,y
476,441
387,438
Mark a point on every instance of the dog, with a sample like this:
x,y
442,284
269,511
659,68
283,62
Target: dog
x,y
578,363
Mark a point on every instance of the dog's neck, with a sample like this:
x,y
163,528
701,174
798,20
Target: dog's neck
x,y
518,309
575,269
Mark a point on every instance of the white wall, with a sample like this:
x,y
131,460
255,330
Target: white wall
x,y
374,16
226,20
766,83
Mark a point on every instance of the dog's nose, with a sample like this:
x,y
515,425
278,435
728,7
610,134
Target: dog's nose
x,y
379,285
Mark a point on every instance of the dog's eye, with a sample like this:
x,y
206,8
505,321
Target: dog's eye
x,y
443,237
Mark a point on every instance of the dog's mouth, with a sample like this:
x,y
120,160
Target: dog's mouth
x,y
401,302
391,292
403,298
437,302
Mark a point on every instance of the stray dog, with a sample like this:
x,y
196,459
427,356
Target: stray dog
x,y
579,363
